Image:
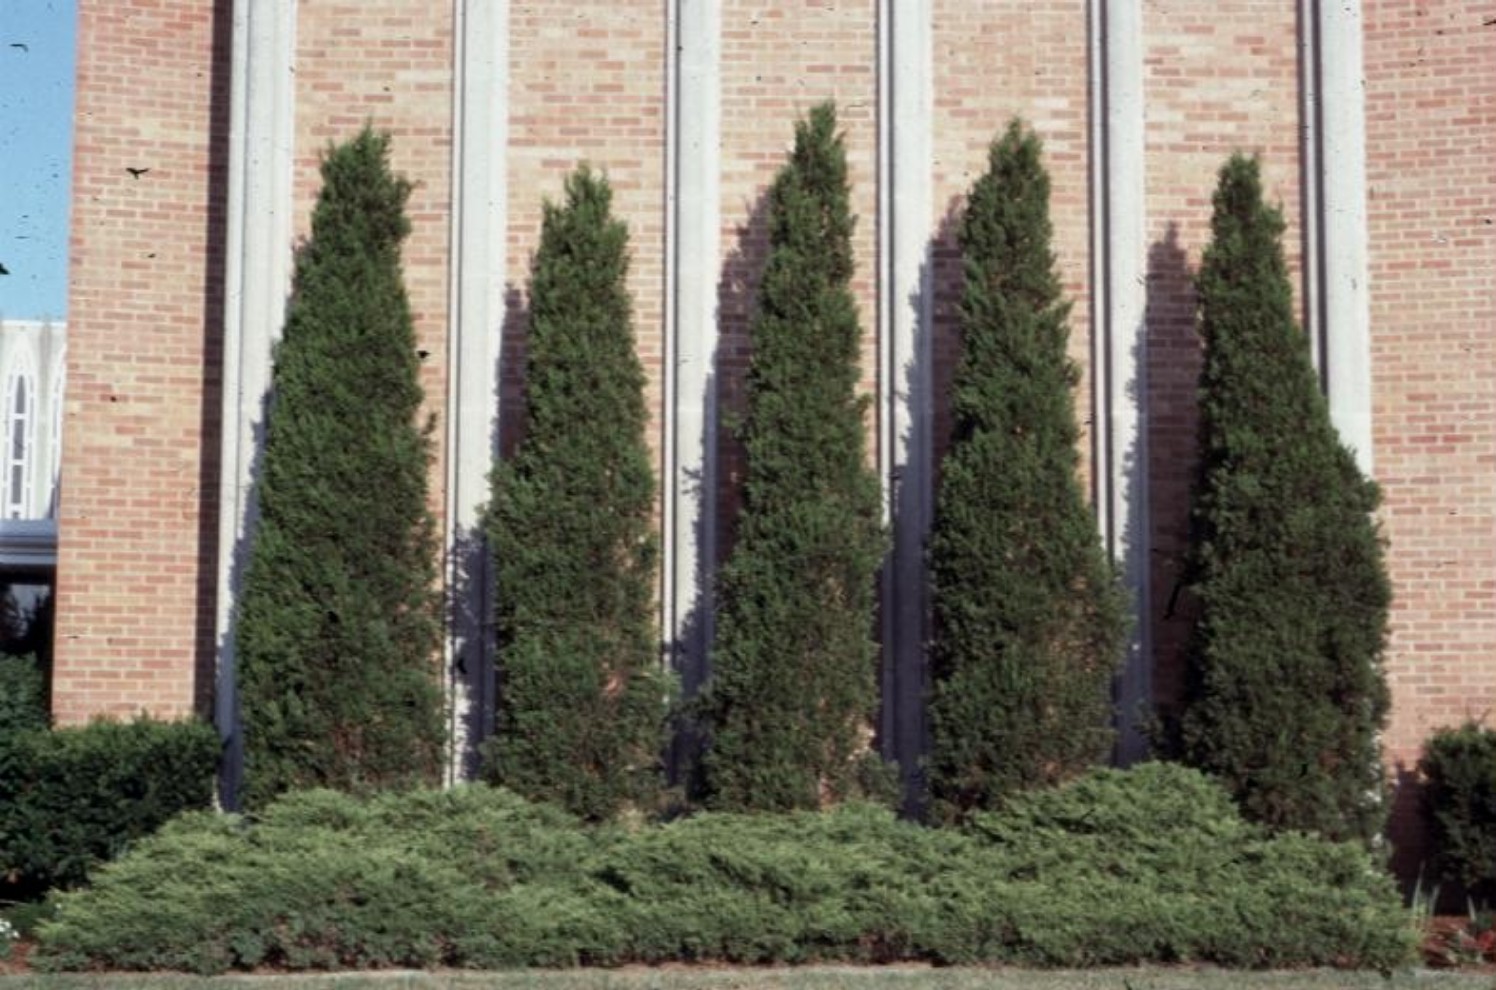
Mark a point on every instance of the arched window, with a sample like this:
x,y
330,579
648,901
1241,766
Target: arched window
x,y
20,442
54,440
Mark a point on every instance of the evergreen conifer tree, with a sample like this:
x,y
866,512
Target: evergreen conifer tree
x,y
794,669
338,621
1286,690
1029,619
582,698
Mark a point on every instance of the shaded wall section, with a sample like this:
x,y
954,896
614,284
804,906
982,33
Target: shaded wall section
x,y
1218,78
778,61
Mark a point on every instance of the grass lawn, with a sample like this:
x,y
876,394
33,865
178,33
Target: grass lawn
x,y
808,978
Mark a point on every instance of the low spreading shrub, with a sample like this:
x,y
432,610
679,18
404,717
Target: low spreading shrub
x,y
1460,804
1151,864
1171,871
72,797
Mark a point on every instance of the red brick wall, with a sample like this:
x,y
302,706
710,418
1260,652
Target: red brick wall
x,y
137,561
138,527
1431,131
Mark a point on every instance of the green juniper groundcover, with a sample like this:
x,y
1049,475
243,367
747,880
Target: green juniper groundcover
x,y
1151,864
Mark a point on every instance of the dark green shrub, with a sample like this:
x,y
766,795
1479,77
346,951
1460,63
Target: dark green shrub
x,y
320,880
338,622
23,695
850,883
1121,867
1029,624
71,798
581,699
1173,873
792,688
1460,805
26,632
1286,692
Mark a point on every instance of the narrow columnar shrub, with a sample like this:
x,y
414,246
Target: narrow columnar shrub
x,y
338,623
1460,805
793,677
581,698
23,694
1286,692
1029,620
1149,865
73,797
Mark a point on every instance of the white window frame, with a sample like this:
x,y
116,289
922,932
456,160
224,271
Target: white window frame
x,y
17,503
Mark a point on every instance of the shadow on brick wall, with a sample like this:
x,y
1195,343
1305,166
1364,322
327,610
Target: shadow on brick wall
x,y
718,483
213,689
1173,354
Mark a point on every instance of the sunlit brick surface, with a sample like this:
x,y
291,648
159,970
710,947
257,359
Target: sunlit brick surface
x,y
1431,128
138,527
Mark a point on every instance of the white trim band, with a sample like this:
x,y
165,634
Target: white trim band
x,y
905,321
693,250
257,275
1346,309
480,124
1119,317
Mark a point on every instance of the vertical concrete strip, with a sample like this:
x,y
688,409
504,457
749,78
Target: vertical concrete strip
x,y
905,306
257,270
1119,314
1343,232
693,235
1101,449
1309,179
480,124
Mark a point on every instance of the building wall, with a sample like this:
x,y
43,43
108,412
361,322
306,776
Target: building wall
x,y
592,81
997,60
137,558
1431,130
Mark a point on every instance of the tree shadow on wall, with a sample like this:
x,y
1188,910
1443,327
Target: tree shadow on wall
x,y
1173,355
922,386
475,670
472,671
213,680
718,486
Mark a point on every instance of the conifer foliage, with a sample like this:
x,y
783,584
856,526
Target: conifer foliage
x,y
582,699
338,621
794,669
1029,618
1286,690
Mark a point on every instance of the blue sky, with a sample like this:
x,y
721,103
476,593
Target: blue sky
x,y
36,145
